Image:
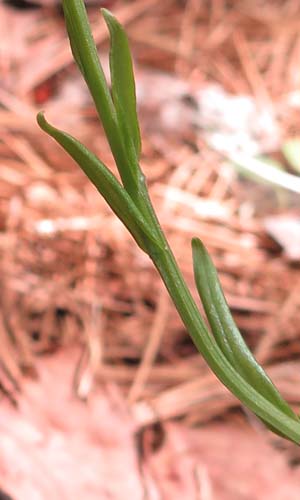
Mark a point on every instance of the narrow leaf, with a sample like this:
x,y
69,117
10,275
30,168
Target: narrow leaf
x,y
86,56
214,356
225,330
122,82
106,183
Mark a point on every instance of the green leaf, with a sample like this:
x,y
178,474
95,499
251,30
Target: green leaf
x,y
122,82
214,356
106,183
86,56
291,151
226,333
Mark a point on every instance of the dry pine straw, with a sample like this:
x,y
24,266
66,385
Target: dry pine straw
x,y
70,273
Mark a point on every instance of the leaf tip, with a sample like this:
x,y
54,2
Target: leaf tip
x,y
44,125
108,17
197,244
199,252
41,120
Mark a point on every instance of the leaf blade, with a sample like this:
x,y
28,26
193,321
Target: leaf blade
x,y
86,56
106,183
122,82
226,332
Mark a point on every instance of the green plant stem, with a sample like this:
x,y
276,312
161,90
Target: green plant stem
x,y
168,269
132,205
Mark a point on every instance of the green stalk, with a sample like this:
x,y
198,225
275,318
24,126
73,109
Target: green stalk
x,y
225,351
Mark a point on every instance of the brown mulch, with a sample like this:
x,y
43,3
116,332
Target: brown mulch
x,y
71,275
55,446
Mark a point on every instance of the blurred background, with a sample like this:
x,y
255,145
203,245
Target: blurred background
x,y
102,393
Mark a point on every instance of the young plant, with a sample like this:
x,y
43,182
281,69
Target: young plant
x,y
223,348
